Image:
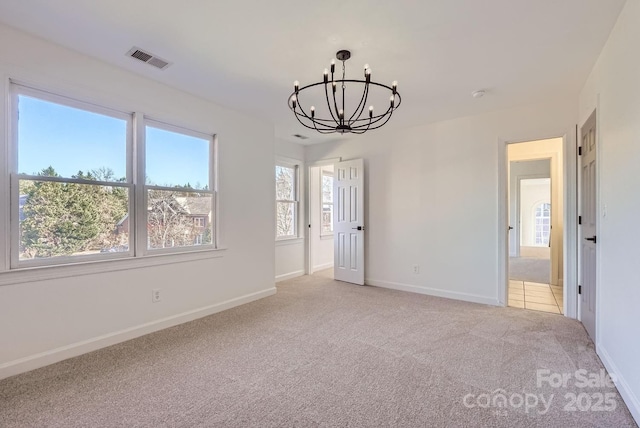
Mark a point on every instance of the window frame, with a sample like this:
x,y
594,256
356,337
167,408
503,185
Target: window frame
x,y
142,217
137,254
17,89
323,173
284,163
542,206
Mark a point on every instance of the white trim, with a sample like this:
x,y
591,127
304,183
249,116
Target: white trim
x,y
42,359
630,399
43,273
5,155
280,242
323,266
290,275
447,294
284,162
502,264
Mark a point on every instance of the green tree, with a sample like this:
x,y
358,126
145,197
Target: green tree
x,y
68,218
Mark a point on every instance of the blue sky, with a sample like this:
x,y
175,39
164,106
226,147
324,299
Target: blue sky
x,y
71,140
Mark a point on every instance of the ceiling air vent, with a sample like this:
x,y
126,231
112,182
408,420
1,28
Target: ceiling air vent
x,y
150,59
302,137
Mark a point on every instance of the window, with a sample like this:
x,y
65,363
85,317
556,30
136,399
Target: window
x,y
177,188
286,201
542,224
74,191
327,203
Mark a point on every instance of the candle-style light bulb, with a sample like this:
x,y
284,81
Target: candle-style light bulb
x,y
394,85
294,101
296,86
333,66
370,112
326,75
392,98
334,86
367,73
341,114
313,111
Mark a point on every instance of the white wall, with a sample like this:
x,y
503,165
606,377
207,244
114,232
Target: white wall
x,y
47,320
321,246
614,89
432,197
290,254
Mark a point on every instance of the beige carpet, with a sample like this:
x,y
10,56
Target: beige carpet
x,y
322,353
530,269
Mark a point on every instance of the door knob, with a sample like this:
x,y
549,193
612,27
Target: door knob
x,y
592,239
510,228
358,228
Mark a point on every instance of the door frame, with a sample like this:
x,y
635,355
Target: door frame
x,y
308,248
570,219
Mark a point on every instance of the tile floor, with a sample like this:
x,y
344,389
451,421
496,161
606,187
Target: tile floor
x,y
532,295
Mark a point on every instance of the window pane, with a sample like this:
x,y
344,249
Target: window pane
x,y
178,219
285,219
285,183
176,160
54,139
327,219
69,219
327,188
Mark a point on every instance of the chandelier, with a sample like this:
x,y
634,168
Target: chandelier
x,y
336,118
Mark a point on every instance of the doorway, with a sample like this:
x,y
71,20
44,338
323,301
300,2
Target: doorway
x,y
535,215
321,209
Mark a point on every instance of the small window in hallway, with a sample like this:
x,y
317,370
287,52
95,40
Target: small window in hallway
x,y
542,224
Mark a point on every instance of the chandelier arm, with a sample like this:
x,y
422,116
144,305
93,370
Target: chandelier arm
x,y
383,123
361,131
323,131
375,119
335,103
363,102
303,114
326,94
329,130
311,119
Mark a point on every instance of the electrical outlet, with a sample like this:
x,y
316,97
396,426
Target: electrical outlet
x,y
156,296
416,269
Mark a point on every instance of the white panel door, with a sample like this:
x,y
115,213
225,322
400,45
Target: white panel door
x,y
589,212
348,221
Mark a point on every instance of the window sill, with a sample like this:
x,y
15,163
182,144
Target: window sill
x,y
288,241
43,273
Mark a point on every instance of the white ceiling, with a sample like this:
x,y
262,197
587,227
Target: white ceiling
x,y
246,54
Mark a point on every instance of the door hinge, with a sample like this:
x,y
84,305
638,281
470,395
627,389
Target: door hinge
x,y
580,151
579,219
579,289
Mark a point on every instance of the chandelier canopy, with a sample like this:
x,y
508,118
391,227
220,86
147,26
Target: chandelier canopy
x,y
336,118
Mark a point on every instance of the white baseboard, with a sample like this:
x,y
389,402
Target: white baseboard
x,y
630,399
42,359
323,266
434,292
289,275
